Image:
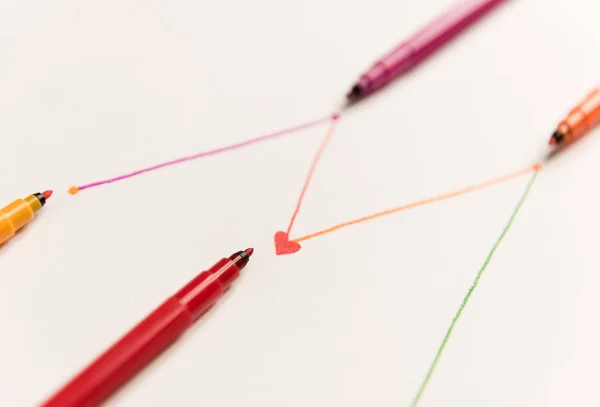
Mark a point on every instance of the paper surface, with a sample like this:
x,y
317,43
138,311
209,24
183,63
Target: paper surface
x,y
92,90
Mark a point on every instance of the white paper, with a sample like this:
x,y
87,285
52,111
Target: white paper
x,y
92,90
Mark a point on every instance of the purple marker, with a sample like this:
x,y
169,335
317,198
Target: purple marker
x,y
425,42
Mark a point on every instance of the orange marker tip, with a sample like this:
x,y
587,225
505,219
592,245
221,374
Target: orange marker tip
x,y
73,190
249,251
47,194
537,166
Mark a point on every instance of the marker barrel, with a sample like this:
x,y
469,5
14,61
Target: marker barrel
x,y
582,118
149,337
422,44
16,215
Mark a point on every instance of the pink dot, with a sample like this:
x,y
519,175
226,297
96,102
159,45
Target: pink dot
x,y
335,116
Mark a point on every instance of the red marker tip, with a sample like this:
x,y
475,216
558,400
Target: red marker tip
x,y
552,141
47,194
249,251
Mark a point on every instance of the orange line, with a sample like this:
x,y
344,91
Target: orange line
x,y
315,161
449,195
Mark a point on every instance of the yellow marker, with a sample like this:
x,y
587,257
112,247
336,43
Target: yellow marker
x,y
19,213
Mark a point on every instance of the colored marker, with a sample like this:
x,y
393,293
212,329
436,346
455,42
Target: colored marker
x,y
421,45
19,213
151,336
583,118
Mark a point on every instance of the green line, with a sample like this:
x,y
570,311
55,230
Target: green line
x,y
470,292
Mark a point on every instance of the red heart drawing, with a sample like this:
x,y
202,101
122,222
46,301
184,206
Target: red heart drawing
x,y
283,244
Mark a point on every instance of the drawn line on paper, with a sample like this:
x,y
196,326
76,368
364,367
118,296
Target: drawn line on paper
x,y
472,289
285,245
282,244
313,166
75,189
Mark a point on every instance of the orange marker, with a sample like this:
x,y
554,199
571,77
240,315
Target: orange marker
x,y
19,213
581,120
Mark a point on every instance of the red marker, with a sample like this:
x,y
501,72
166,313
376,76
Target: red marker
x,y
150,337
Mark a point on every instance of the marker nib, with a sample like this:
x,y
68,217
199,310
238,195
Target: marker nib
x,y
249,251
47,194
556,138
354,93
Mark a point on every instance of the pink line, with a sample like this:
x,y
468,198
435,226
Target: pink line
x,y
313,166
209,153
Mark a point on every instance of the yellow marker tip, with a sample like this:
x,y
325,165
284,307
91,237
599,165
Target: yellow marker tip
x,y
73,190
